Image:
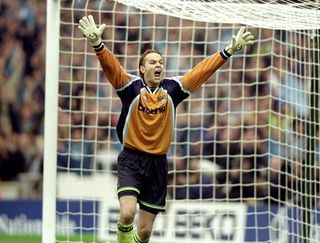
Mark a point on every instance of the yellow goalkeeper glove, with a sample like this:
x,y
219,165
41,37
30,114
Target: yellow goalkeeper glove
x,y
239,41
89,29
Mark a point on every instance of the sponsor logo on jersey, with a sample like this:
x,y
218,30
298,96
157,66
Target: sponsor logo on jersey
x,y
158,110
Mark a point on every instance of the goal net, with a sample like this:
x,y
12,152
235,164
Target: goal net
x,y
244,161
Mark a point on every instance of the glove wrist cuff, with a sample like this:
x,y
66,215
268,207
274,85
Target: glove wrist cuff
x,y
225,54
98,47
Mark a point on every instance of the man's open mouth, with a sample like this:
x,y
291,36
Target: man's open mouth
x,y
157,73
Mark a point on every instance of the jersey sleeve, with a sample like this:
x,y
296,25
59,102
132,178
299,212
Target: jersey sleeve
x,y
112,68
194,78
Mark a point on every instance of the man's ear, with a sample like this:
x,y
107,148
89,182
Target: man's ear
x,y
142,69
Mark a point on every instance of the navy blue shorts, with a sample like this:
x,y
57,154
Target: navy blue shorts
x,y
145,176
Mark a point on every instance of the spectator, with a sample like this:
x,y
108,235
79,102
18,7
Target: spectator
x,y
283,180
76,156
12,160
192,183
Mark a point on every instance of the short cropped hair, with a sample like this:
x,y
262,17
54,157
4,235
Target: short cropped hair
x,y
143,56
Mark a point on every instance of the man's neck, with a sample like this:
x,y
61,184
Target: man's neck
x,y
151,86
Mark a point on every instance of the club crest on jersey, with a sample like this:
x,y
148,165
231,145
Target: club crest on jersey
x,y
162,98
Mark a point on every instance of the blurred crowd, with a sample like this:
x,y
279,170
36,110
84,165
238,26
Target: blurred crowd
x,y
22,80
241,137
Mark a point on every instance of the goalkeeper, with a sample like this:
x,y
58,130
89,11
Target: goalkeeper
x,y
146,124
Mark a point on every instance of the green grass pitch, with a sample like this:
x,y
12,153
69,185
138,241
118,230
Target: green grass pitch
x,y
37,238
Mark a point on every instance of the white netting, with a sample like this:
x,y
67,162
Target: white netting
x,y
241,141
289,15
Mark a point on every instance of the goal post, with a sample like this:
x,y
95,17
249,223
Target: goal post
x,y
51,119
244,161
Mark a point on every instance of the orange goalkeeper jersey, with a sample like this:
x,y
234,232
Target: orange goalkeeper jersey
x,y
147,117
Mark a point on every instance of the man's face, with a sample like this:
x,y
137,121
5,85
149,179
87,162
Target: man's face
x,y
152,69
